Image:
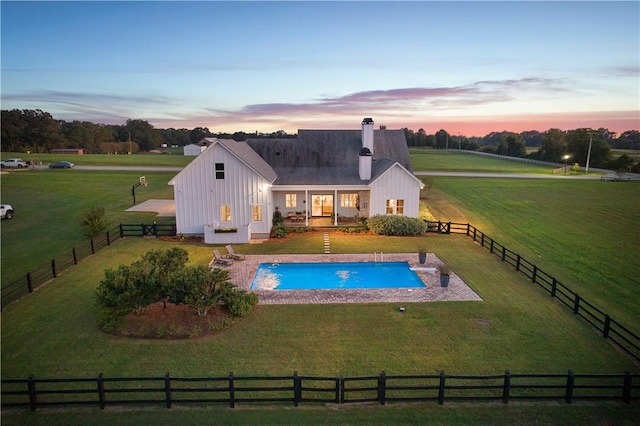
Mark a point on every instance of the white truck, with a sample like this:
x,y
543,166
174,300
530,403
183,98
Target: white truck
x,y
16,163
6,211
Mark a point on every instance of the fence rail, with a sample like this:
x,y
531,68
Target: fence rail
x,y
52,269
295,389
610,329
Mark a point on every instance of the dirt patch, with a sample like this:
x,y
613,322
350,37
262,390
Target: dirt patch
x,y
173,322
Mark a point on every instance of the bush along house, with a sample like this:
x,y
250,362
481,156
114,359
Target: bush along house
x,y
231,191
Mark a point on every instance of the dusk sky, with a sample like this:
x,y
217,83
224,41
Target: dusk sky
x,y
467,67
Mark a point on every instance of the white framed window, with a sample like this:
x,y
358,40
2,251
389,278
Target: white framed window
x,y
256,213
348,200
291,200
225,213
395,206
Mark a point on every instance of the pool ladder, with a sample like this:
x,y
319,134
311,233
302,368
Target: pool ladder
x,y
375,256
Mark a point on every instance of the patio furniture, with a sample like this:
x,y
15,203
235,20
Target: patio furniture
x,y
219,260
231,253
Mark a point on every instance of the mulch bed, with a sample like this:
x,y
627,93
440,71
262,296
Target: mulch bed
x,y
173,322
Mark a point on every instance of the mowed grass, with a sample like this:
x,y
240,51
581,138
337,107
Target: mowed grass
x,y
585,233
176,159
47,204
517,326
52,333
437,160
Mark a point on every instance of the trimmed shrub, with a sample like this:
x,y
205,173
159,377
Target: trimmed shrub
x,y
396,225
279,231
240,302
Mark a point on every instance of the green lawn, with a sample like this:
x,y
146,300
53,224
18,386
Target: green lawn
x,y
585,233
167,160
47,204
436,160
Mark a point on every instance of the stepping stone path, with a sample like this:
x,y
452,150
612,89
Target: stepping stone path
x,y
327,245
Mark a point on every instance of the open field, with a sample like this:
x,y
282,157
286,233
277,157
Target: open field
x,y
436,160
585,233
47,204
419,414
167,160
517,326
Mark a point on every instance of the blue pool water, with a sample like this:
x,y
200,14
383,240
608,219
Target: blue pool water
x,y
332,276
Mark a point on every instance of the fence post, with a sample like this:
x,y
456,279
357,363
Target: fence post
x,y
468,228
232,392
33,398
626,389
448,227
607,326
93,247
342,390
554,283
506,388
568,395
504,253
576,304
121,231
337,400
155,229
518,263
53,268
491,249
29,283
534,274
482,240
297,389
101,390
475,232
108,239
441,388
167,389
382,388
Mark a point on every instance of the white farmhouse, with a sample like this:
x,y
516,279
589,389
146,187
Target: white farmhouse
x,y
231,191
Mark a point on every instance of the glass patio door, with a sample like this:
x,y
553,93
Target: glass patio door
x,y
321,205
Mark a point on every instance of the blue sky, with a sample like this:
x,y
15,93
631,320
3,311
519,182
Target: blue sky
x,y
467,67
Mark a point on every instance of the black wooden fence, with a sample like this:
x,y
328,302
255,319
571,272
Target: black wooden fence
x,y
610,329
607,326
230,390
52,269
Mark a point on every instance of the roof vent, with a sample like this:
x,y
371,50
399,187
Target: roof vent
x,y
365,152
367,121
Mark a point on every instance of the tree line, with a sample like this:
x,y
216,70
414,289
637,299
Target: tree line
x,y
37,131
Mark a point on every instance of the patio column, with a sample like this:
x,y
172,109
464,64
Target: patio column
x,y
306,210
335,207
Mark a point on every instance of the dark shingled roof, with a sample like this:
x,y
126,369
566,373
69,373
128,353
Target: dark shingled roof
x,y
330,157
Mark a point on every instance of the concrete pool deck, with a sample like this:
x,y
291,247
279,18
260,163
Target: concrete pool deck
x,y
242,272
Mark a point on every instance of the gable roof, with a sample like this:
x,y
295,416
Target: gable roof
x,y
330,157
240,150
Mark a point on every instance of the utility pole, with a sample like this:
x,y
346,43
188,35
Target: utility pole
x,y
586,169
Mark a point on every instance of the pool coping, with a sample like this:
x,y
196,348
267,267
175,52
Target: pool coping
x,y
242,271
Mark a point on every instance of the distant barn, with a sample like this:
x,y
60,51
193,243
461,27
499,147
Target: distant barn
x,y
70,151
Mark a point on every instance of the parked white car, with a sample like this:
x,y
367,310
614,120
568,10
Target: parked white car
x,y
6,211
16,163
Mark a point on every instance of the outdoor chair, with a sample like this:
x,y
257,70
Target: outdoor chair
x,y
219,260
231,253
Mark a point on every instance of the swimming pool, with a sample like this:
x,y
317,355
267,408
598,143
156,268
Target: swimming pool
x,y
334,276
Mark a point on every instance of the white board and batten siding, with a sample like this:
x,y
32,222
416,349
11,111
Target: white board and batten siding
x,y
398,184
199,195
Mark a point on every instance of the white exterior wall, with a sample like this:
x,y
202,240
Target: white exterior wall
x,y
395,183
198,194
193,150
